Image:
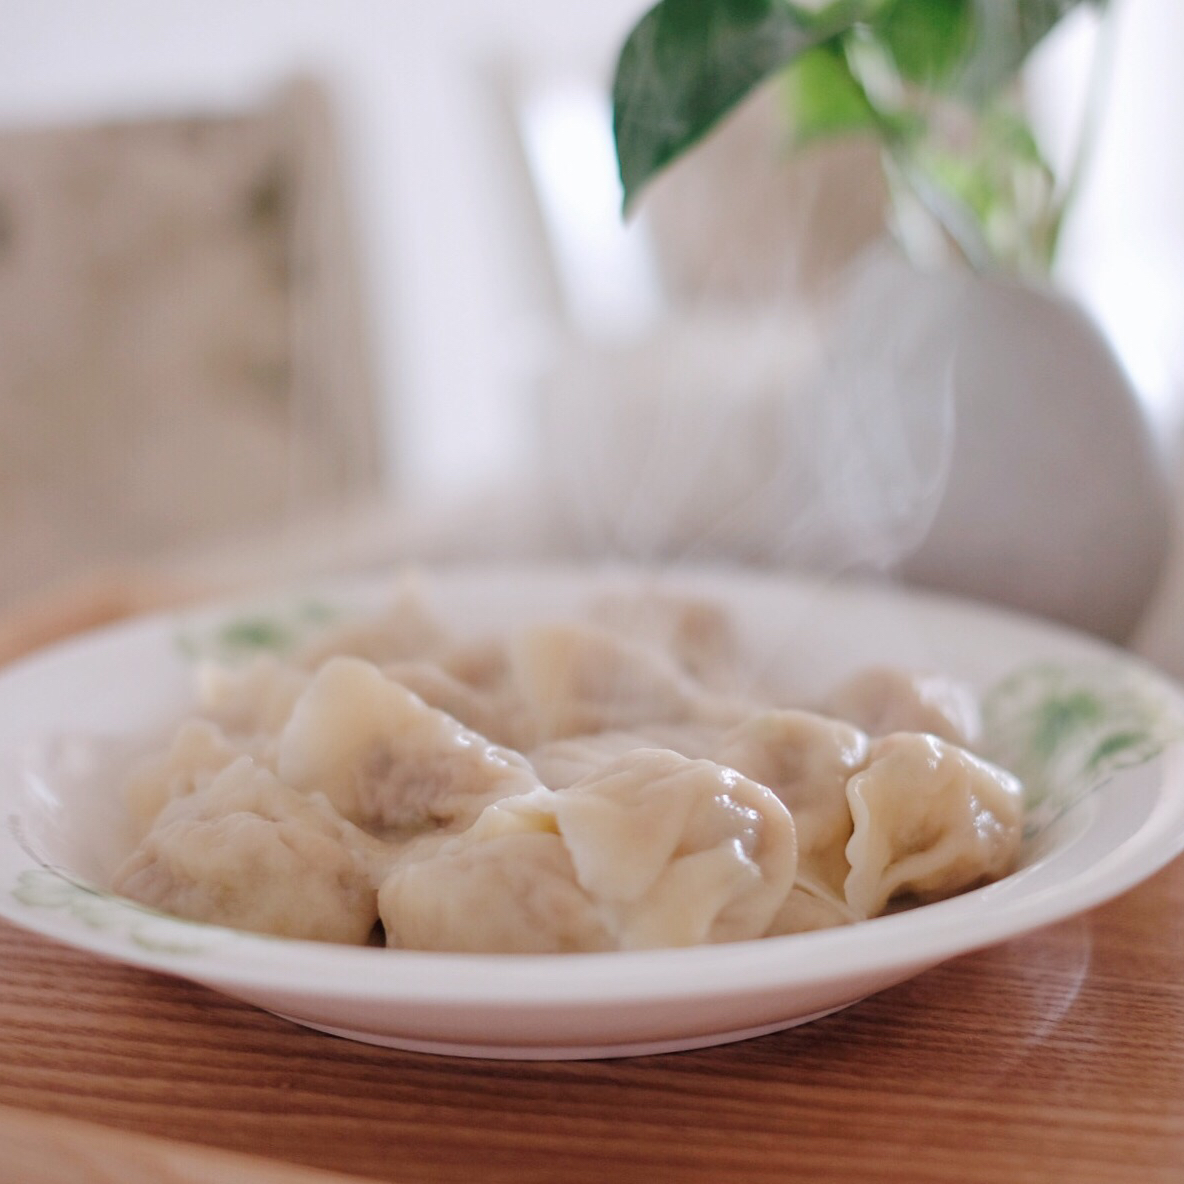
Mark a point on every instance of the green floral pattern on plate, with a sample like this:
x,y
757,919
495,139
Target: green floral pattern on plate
x,y
50,888
1065,731
271,630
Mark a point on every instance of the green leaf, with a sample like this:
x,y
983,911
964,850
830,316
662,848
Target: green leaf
x,y
687,63
927,38
824,98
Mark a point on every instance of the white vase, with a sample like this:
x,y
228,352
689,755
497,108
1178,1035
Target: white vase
x,y
1056,498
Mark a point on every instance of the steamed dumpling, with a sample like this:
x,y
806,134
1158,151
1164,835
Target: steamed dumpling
x,y
930,820
805,910
679,851
199,751
484,711
806,760
560,763
483,665
405,631
384,758
576,680
256,697
697,634
250,853
883,699
508,893
656,850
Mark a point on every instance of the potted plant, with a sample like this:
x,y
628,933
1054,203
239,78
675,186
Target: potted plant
x,y
1055,498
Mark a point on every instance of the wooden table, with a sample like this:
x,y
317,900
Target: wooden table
x,y
1056,1057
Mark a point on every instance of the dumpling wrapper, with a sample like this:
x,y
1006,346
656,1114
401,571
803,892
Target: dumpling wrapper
x,y
662,850
384,758
882,700
250,853
561,763
486,712
198,752
512,892
483,664
576,680
697,634
405,631
806,760
806,909
679,851
254,698
930,820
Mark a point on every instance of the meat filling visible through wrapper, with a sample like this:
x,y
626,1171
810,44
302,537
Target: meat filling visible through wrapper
x,y
384,758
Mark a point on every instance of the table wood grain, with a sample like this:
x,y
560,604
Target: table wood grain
x,y
1059,1056
47,1149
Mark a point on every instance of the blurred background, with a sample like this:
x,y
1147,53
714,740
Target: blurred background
x,y
289,286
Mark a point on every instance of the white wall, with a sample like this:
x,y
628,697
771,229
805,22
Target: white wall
x,y
1123,247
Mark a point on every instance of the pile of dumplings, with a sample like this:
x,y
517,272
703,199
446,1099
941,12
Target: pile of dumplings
x,y
611,783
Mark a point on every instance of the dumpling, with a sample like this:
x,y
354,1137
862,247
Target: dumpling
x,y
882,700
250,853
560,763
805,910
576,680
806,760
483,665
655,850
384,758
679,851
198,752
508,893
930,820
406,631
697,634
483,711
256,697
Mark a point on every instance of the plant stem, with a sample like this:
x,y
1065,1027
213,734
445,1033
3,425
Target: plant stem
x,y
959,225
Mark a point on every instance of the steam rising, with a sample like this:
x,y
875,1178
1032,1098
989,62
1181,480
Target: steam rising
x,y
744,438
736,423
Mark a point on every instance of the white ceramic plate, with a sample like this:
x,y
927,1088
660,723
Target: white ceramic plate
x,y
1095,735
